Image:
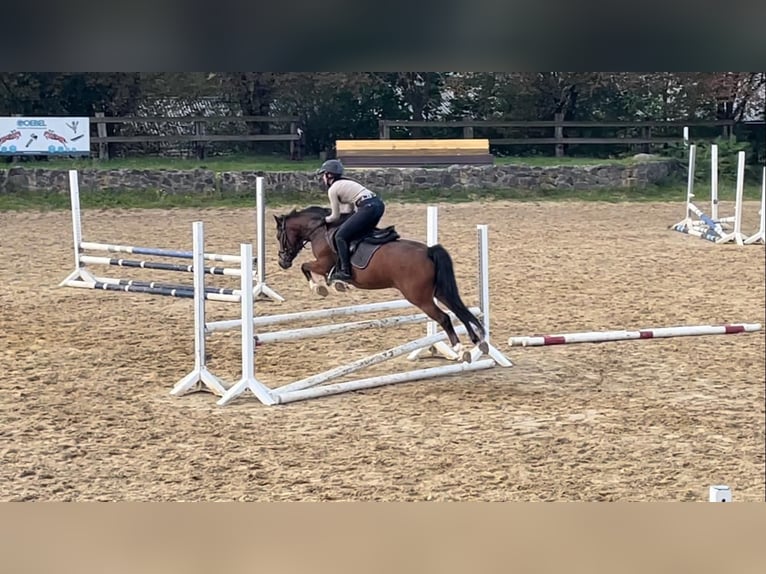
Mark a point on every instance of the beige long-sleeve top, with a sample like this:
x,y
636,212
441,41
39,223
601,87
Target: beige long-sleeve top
x,y
343,195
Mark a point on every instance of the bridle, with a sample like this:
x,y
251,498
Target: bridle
x,y
292,250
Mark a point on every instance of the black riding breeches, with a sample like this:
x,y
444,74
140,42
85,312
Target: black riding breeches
x,y
367,216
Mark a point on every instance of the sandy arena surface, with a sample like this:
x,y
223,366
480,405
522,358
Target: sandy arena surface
x,y
86,412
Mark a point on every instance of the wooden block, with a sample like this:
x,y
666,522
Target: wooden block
x,y
479,145
413,160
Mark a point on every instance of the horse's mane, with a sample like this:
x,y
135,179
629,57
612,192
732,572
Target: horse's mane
x,y
317,212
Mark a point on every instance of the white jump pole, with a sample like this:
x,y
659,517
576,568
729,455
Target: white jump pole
x,y
482,235
657,333
440,348
324,330
760,235
261,289
200,377
714,202
372,382
736,235
365,362
714,182
309,315
248,380
74,197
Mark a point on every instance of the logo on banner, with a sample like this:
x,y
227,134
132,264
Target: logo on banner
x,y
44,136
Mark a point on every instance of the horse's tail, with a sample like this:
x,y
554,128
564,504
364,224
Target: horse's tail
x,y
446,290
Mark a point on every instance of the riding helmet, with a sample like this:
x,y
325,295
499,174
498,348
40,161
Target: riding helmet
x,y
331,166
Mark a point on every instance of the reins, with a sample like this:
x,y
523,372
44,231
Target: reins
x,y
295,250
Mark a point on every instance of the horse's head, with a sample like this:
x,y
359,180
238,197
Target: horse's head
x,y
295,229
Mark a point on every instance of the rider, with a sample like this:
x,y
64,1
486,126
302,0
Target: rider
x,y
367,211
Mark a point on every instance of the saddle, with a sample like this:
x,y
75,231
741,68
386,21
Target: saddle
x,y
362,249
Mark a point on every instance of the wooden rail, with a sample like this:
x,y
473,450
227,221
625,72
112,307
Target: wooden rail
x,y
200,137
558,138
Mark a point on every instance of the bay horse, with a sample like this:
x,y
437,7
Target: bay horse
x,y
419,272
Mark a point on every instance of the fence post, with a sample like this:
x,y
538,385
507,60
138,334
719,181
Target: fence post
x,y
558,133
468,132
384,130
201,145
103,147
646,132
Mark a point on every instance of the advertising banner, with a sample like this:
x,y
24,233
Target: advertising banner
x,y
44,136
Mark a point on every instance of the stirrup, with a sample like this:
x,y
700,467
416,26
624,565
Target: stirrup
x,y
338,275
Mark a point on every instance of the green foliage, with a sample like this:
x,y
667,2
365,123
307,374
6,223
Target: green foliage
x,y
728,150
335,105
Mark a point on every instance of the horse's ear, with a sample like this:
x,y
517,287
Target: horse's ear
x,y
279,219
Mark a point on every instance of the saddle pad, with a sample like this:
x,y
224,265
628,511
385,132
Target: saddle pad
x,y
361,256
363,249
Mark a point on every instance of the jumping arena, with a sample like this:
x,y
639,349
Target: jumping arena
x,y
97,404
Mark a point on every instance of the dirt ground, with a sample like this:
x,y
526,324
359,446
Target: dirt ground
x,y
86,413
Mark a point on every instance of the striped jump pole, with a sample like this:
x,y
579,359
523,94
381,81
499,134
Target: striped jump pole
x,y
153,288
158,265
84,278
179,286
157,252
657,333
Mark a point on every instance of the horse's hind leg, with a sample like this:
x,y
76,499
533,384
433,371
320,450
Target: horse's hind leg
x,y
466,317
430,308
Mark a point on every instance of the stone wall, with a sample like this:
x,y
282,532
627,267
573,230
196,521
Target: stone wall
x,y
608,176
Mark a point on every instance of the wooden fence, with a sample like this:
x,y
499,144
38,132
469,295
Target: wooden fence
x,y
558,131
200,136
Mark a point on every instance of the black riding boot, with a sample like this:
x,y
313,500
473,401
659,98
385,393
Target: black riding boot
x,y
343,271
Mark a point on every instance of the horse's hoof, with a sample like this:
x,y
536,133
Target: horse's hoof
x,y
321,290
484,347
340,286
467,357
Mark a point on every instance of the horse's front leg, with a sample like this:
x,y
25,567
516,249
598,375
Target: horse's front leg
x,y
316,274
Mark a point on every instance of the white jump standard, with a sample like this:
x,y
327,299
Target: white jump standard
x,y
657,333
760,235
201,378
711,228
82,276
